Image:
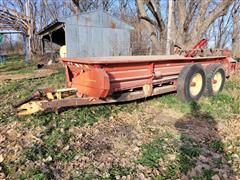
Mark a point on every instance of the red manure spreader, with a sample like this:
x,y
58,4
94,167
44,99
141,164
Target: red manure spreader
x,y
102,80
125,78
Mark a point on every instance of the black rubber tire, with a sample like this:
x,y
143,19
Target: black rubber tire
x,y
184,82
211,70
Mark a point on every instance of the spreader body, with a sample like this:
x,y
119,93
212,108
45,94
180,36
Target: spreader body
x,y
103,76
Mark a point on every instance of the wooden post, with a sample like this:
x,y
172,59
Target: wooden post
x,y
42,45
50,36
25,47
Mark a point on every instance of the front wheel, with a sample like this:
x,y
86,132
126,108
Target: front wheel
x,y
191,82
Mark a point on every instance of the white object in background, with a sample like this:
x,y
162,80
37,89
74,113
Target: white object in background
x,y
63,51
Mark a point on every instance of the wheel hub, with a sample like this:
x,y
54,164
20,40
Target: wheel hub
x,y
216,82
196,84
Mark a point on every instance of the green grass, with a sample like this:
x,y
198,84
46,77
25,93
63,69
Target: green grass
x,y
152,152
17,66
56,131
217,145
11,91
55,135
171,171
191,150
208,174
53,145
36,174
223,106
185,163
88,174
117,170
186,149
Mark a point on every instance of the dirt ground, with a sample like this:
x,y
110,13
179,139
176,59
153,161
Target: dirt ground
x,y
34,75
117,141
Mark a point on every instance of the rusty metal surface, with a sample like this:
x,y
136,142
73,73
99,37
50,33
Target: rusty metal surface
x,y
30,107
123,97
134,59
19,103
40,103
33,103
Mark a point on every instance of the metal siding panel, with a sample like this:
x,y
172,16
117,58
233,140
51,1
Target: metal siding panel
x,y
92,41
125,42
107,34
91,44
83,42
109,42
93,19
72,43
96,40
80,41
99,39
68,44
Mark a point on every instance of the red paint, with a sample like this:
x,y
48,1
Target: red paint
x,y
200,44
103,76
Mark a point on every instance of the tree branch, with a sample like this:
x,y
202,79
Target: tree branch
x,y
182,13
156,13
147,24
202,23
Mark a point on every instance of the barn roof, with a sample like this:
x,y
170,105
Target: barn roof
x,y
53,26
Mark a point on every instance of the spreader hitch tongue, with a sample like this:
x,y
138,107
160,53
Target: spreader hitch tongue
x,y
21,102
40,100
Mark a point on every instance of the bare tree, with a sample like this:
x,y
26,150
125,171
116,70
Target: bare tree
x,y
191,20
78,6
11,19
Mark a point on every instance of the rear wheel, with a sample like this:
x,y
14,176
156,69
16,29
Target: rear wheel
x,y
215,79
191,82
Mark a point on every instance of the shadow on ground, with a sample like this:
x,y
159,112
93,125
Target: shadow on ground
x,y
201,150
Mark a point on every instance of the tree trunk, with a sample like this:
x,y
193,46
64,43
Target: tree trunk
x,y
235,35
76,6
150,28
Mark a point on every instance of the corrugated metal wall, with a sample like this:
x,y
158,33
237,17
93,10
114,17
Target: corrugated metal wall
x,y
96,34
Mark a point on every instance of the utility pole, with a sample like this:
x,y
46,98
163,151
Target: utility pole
x,y
169,26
